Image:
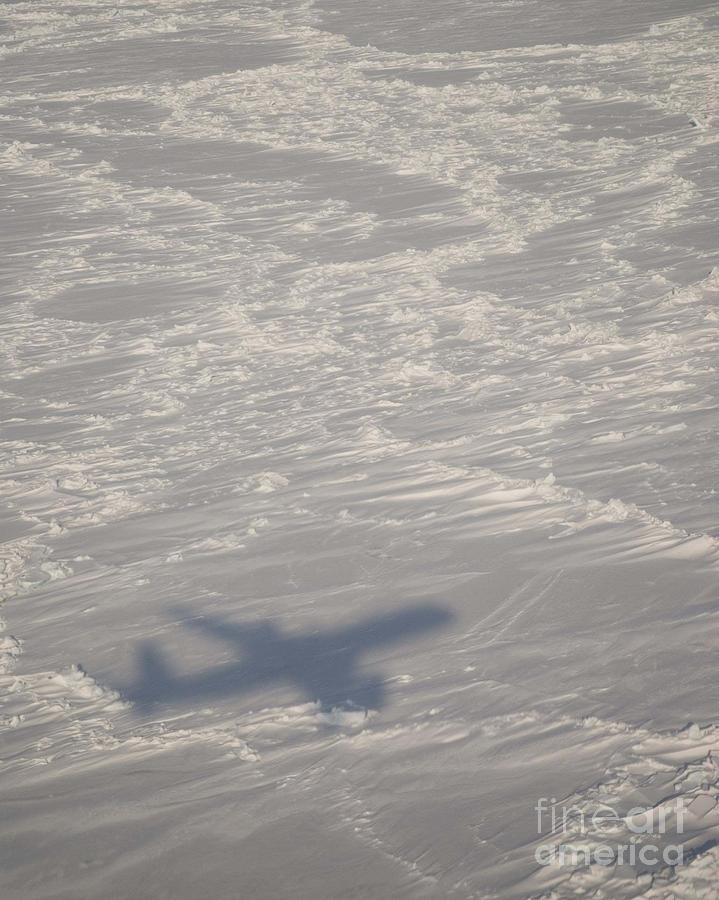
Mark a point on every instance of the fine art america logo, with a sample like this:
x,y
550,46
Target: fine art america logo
x,y
602,836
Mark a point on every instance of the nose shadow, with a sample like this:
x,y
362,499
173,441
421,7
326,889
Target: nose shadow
x,y
325,666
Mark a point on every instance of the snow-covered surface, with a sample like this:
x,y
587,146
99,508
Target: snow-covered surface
x,y
360,414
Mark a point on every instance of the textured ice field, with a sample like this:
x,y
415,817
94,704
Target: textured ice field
x,y
360,412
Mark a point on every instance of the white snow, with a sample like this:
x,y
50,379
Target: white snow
x,y
359,476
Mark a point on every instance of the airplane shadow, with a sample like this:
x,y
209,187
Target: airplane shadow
x,y
324,665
